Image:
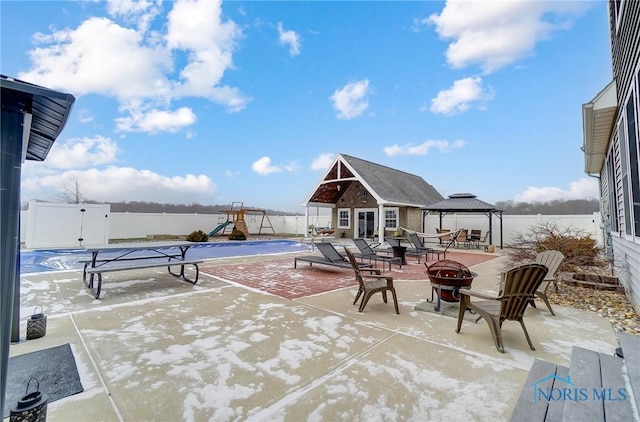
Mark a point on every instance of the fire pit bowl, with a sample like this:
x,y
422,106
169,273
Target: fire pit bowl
x,y
448,277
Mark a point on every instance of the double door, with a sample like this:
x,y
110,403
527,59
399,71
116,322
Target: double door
x,y
367,220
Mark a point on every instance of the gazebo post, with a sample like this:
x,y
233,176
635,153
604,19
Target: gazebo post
x,y
491,228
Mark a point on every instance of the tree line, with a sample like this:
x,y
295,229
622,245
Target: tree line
x,y
557,207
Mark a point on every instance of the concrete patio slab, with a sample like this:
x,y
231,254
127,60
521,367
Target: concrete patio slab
x,y
156,348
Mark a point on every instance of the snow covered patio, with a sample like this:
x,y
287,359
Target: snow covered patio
x,y
154,348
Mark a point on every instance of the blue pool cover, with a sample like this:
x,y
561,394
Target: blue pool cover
x,y
37,261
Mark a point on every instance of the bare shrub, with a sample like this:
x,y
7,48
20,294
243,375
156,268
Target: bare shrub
x,y
580,249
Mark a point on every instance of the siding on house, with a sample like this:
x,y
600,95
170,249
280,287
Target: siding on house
x,y
620,172
624,21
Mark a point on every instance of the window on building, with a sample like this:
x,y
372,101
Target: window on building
x,y
391,218
344,218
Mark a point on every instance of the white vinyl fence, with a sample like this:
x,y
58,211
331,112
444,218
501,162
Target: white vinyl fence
x,y
53,225
514,224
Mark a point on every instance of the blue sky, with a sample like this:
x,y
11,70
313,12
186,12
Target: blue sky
x,y
210,102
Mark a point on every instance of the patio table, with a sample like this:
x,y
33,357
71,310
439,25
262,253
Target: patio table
x,y
129,256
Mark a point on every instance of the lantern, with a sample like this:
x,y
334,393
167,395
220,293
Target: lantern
x,y
30,408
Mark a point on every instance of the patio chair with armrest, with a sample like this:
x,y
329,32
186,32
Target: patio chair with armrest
x,y
483,240
366,252
461,237
552,260
516,292
474,238
370,281
445,235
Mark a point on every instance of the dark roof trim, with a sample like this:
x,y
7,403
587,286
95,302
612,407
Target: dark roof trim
x,y
49,112
462,202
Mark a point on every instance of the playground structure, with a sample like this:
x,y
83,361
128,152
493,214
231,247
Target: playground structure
x,y
236,219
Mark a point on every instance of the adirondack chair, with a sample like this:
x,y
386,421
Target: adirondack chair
x,y
552,260
370,281
516,292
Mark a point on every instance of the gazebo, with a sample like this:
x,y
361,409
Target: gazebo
x,y
467,203
32,119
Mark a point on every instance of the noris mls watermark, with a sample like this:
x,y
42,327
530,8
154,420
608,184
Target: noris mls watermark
x,y
564,390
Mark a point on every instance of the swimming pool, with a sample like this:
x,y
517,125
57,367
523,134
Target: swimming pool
x,y
38,261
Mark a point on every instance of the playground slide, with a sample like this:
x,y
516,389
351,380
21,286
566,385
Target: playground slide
x,y
220,227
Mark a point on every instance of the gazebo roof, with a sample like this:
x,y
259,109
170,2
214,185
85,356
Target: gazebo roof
x,y
462,202
48,111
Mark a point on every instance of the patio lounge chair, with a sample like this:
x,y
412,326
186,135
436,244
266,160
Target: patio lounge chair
x,y
517,291
395,242
420,249
366,252
331,257
370,282
552,260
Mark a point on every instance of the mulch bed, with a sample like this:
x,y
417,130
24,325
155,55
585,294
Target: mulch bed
x,y
278,277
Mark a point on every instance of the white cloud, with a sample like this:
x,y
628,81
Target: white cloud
x,y
115,184
138,12
494,34
263,167
291,167
459,97
85,116
350,101
138,66
82,153
423,148
584,188
290,38
323,161
99,57
156,121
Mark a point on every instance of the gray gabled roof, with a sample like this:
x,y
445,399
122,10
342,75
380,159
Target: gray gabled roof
x,y
388,186
394,186
461,202
47,109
